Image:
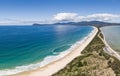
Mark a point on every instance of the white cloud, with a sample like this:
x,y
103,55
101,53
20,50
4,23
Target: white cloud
x,y
74,17
65,16
8,21
101,17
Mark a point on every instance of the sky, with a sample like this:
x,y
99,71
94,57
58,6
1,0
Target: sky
x,y
47,11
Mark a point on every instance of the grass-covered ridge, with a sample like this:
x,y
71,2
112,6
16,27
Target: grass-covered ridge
x,y
93,62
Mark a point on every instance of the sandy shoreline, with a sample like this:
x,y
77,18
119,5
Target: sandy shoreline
x,y
57,65
108,48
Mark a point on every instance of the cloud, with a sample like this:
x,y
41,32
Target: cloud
x,y
74,17
65,16
8,21
101,17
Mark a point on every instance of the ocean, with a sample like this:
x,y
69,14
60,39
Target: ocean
x,y
112,35
25,48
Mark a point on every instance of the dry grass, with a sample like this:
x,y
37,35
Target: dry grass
x,y
93,62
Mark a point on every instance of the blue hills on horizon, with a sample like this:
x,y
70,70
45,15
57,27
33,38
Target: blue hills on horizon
x,y
82,23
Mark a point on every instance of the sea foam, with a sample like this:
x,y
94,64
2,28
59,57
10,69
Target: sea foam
x,y
45,61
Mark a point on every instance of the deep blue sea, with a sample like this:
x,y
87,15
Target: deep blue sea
x,y
24,47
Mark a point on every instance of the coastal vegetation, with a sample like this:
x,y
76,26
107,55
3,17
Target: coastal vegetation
x,y
92,62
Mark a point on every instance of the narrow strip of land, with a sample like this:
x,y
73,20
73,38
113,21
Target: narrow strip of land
x,y
108,49
93,61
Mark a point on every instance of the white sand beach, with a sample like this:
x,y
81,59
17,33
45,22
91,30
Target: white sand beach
x,y
108,49
59,64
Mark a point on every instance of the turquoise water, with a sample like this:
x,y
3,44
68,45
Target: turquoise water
x,y
24,45
112,34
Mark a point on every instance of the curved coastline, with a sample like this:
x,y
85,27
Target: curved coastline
x,y
55,65
108,49
46,61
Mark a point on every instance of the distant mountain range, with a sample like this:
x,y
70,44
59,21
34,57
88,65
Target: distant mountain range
x,y
83,23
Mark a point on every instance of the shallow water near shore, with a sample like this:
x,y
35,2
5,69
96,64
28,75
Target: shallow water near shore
x,y
112,35
23,47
